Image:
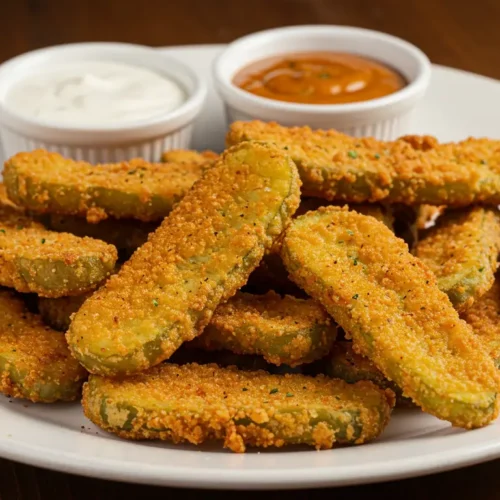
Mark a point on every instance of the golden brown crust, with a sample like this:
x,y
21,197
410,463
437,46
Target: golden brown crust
x,y
383,213
201,255
284,330
484,318
37,178
189,156
338,167
13,215
36,260
6,203
461,250
197,403
32,244
422,142
389,302
35,362
350,366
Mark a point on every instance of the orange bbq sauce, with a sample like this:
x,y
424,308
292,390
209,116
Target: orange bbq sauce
x,y
319,78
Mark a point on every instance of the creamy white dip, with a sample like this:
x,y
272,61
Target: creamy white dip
x,y
94,93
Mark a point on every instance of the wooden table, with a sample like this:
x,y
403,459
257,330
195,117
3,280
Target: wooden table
x,y
461,34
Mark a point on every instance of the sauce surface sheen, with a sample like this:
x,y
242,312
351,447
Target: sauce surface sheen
x,y
319,78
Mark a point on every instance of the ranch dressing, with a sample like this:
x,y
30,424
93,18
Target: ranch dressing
x,y
93,93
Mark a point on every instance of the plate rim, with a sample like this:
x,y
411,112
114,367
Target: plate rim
x,y
241,479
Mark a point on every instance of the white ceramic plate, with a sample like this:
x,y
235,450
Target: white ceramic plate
x,y
59,437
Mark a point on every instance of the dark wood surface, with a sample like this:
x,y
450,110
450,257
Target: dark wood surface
x,y
459,33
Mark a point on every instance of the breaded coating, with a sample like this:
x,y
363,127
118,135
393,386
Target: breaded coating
x,y
197,403
50,264
35,260
272,275
383,213
35,362
462,250
189,156
125,234
347,365
484,318
47,182
6,203
284,330
14,216
389,303
57,313
201,255
338,167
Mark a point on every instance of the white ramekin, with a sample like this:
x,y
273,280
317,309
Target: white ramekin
x,y
145,138
384,118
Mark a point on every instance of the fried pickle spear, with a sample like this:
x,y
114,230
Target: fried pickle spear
x,y
347,365
36,260
388,301
189,156
338,167
284,330
484,318
462,250
125,234
52,264
201,255
196,403
49,183
35,362
57,314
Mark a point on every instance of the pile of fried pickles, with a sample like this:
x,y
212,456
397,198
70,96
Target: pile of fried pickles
x,y
291,290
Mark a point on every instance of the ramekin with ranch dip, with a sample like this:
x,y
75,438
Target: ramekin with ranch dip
x,y
357,81
98,102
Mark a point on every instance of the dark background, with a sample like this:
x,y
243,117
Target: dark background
x,y
461,34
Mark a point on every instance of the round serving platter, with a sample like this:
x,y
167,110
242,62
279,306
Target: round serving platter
x,y
458,105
